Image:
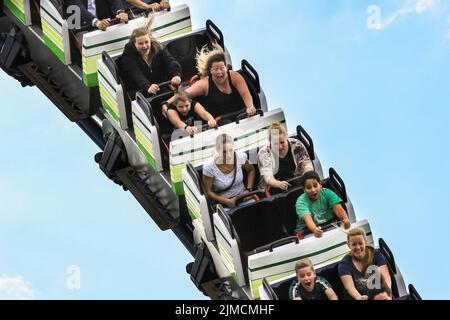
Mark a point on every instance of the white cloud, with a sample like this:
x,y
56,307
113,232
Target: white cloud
x,y
409,7
15,288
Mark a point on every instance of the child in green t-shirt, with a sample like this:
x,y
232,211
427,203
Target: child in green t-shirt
x,y
317,206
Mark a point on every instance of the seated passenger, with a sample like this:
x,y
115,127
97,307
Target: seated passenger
x,y
308,286
316,206
155,5
354,268
146,62
98,14
293,159
220,90
222,175
184,113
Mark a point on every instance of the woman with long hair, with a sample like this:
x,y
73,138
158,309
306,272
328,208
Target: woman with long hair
x,y
145,62
220,91
363,268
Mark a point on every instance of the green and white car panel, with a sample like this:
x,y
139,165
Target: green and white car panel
x,y
112,95
56,31
251,133
228,250
330,248
146,135
21,9
166,25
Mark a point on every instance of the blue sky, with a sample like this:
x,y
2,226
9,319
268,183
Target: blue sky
x,y
375,102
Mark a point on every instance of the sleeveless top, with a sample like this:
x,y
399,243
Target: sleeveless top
x,y
218,103
191,116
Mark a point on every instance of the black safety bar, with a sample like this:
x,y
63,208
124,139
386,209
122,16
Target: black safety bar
x,y
146,107
228,223
387,253
413,294
337,183
305,138
111,65
214,33
240,198
244,115
194,175
282,242
272,295
250,72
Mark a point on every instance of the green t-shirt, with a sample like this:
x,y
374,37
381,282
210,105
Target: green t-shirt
x,y
320,210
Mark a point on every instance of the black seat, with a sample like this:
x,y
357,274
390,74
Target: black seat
x,y
289,217
255,225
184,50
331,274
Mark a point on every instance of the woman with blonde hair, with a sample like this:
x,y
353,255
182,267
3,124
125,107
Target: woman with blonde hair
x,y
220,90
223,176
145,62
361,265
282,158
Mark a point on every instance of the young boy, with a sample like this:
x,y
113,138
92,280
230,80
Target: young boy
x,y
308,286
184,112
317,206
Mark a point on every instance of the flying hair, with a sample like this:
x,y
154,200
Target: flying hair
x,y
206,57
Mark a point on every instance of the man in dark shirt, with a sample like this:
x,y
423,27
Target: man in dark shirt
x,y
98,14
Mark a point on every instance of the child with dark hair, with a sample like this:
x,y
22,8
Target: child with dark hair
x,y
317,206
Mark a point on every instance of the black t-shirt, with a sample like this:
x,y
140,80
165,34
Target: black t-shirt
x,y
191,116
346,267
318,293
286,166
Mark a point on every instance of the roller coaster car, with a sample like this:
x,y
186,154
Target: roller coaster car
x,y
172,152
62,60
184,48
279,289
252,247
141,119
258,239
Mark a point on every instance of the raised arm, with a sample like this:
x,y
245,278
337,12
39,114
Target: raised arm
x,y
241,86
312,226
342,215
